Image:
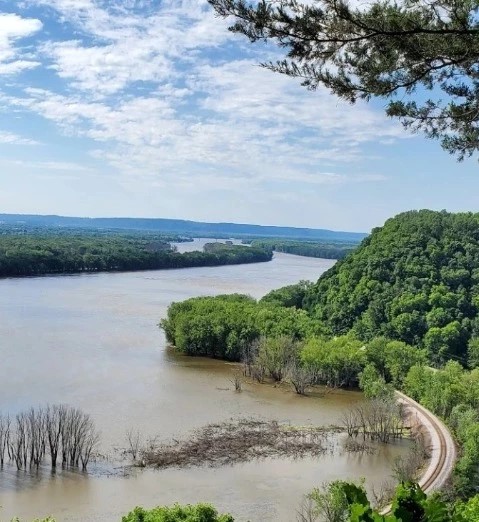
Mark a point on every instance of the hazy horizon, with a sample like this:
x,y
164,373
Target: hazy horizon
x,y
221,222
156,109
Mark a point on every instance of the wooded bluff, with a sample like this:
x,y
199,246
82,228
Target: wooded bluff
x,y
416,279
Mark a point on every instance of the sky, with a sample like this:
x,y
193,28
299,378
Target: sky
x,y
148,108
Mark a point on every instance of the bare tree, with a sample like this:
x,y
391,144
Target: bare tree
x,y
405,467
18,442
307,511
249,353
350,420
383,494
36,435
4,436
54,417
40,431
301,377
133,439
376,419
89,442
237,382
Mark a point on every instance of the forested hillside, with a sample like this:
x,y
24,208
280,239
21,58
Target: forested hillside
x,y
415,279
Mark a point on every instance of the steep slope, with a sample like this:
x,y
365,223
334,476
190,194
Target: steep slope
x,y
415,279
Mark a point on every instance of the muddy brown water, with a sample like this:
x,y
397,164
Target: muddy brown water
x,y
92,341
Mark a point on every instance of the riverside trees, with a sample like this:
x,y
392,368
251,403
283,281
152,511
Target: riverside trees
x,y
307,248
25,255
224,326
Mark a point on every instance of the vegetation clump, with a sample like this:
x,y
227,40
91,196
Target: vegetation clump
x,y
224,326
177,513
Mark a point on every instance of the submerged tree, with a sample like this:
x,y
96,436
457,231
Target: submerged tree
x,y
55,430
386,49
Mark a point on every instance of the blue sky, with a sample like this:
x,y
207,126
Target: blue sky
x,y
153,109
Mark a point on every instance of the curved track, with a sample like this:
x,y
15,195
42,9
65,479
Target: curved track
x,y
443,449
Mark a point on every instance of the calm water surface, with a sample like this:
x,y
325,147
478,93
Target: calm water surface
x,y
92,341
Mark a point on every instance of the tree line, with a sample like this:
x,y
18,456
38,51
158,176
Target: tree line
x,y
27,255
319,249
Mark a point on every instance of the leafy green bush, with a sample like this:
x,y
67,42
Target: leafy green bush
x,y
177,513
223,326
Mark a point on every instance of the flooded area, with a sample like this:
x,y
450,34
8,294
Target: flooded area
x,y
92,341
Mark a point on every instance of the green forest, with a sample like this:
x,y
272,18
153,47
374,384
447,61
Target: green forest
x,y
324,250
399,312
416,279
321,249
64,253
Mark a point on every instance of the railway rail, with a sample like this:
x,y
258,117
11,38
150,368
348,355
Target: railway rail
x,y
443,448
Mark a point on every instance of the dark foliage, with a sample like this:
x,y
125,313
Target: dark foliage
x,y
307,248
35,254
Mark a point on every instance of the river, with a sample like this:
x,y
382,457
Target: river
x,y
92,341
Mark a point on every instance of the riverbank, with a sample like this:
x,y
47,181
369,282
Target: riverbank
x,y
443,453
33,255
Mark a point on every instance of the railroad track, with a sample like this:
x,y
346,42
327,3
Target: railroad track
x,y
443,449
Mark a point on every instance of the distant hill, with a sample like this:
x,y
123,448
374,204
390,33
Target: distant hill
x,y
179,226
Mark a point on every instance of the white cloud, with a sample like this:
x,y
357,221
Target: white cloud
x,y
166,98
125,46
65,166
12,29
14,139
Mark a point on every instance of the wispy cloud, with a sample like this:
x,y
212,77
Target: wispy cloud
x,y
161,94
13,28
15,139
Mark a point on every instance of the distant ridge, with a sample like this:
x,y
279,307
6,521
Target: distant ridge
x,y
180,226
